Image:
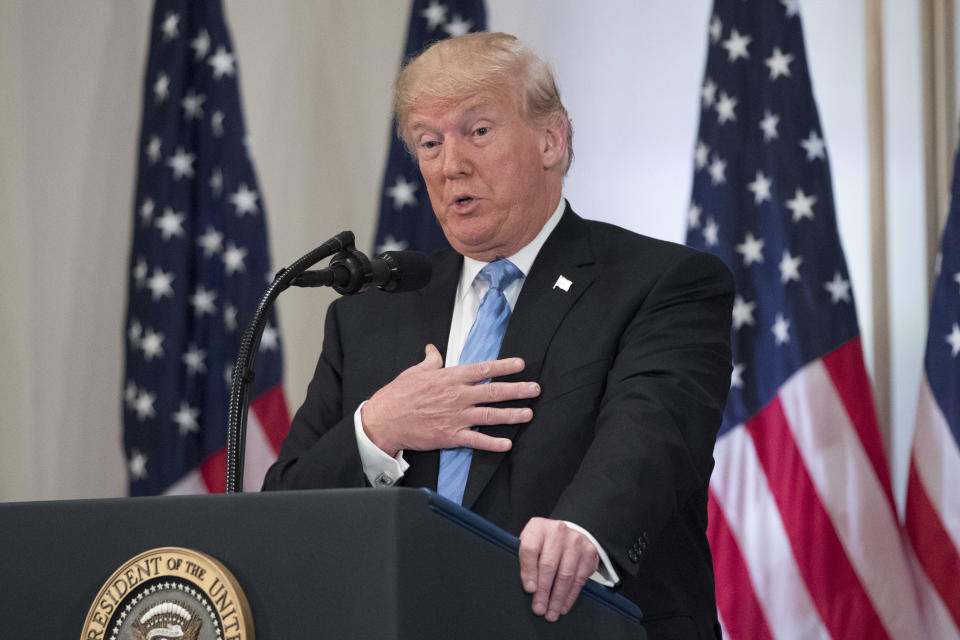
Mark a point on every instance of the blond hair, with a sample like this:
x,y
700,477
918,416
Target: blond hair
x,y
496,62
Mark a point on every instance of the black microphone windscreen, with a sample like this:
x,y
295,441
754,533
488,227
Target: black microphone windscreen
x,y
402,271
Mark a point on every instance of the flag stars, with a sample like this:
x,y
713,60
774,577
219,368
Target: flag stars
x,y
956,278
230,318
711,233
244,200
725,108
135,333
140,273
458,26
211,242
233,259
790,267
839,289
814,146
146,210
701,155
153,150
137,465
792,7
716,29
152,344
160,284
779,63
435,15
203,301
402,193
181,163
801,205
170,223
769,125
693,215
222,63
130,393
216,123
270,341
228,374
953,338
216,182
194,358
161,88
392,244
200,45
736,46
736,375
708,93
718,170
186,418
170,26
742,312
192,104
751,249
781,330
143,405
760,188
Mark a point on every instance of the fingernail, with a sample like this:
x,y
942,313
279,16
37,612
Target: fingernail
x,y
534,388
531,586
539,609
552,616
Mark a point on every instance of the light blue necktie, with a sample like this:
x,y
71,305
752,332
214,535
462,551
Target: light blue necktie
x,y
483,343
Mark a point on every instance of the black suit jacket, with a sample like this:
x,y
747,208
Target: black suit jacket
x,y
634,367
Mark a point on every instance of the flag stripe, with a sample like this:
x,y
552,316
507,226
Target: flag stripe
x,y
744,500
836,591
271,411
736,599
932,544
849,376
938,461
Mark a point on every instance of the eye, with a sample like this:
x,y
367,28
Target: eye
x,y
430,144
482,131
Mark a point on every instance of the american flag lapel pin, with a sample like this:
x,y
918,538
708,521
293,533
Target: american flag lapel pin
x,y
562,283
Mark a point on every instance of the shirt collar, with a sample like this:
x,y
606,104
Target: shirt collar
x,y
522,259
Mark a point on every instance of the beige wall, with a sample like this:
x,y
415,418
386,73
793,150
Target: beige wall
x,y
316,82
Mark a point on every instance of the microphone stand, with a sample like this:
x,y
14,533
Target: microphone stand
x,y
243,366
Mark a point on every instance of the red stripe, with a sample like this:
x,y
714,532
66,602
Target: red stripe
x,y
271,411
932,543
845,367
736,600
834,587
214,471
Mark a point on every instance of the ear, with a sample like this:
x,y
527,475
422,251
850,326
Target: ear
x,y
553,141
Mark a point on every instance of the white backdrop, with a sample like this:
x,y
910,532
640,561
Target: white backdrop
x,y
316,86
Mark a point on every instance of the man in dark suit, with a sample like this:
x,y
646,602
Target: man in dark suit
x,y
595,437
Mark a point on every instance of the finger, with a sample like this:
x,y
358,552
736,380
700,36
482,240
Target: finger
x,y
563,582
432,358
500,391
531,541
588,564
547,566
482,416
481,441
477,371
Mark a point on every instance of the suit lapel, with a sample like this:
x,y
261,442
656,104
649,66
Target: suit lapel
x,y
428,321
541,307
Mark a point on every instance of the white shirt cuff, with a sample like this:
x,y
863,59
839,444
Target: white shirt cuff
x,y
605,573
381,470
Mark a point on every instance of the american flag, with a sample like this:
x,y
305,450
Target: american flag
x,y
199,264
406,218
932,514
802,522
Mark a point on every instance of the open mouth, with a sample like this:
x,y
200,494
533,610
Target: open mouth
x,y
463,200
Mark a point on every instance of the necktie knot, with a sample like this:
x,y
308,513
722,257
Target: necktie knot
x,y
500,274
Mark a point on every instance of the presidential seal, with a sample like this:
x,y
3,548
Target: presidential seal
x,y
170,593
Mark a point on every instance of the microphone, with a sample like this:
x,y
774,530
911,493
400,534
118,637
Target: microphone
x,y
350,272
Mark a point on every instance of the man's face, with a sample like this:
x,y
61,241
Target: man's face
x,y
486,170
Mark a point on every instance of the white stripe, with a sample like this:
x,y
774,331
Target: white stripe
x,y
938,621
742,492
852,496
188,485
258,456
938,461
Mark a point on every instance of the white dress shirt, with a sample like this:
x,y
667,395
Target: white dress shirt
x,y
383,470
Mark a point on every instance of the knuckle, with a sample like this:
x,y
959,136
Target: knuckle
x,y
483,370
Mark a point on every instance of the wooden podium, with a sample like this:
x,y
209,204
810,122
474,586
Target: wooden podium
x,y
351,563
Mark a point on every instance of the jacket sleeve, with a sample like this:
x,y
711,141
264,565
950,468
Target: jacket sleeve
x,y
659,414
320,452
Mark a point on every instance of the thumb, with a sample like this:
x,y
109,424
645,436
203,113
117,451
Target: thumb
x,y
432,358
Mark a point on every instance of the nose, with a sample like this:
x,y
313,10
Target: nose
x,y
456,159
